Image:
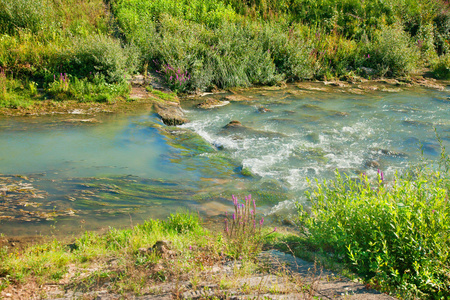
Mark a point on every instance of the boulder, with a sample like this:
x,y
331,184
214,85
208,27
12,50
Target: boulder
x,y
212,103
170,113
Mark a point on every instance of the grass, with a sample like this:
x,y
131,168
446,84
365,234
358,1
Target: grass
x,y
130,260
394,234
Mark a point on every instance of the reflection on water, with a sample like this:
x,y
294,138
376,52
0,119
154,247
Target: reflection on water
x,y
76,176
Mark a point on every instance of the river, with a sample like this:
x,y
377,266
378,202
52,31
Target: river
x,y
62,176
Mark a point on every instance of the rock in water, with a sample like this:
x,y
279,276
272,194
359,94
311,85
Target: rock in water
x,y
170,113
234,124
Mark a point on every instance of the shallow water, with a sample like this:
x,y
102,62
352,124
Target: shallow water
x,y
76,176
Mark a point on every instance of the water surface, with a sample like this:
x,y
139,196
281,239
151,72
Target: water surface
x,y
64,176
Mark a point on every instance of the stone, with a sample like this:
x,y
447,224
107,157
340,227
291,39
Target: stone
x,y
262,109
234,124
372,164
170,113
212,103
237,98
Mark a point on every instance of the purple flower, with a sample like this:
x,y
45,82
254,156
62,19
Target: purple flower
x,y
234,200
262,221
368,55
190,247
380,173
234,217
275,229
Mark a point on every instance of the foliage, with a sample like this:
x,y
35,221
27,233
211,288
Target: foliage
x,y
395,234
14,93
32,15
441,68
94,88
98,54
393,52
184,223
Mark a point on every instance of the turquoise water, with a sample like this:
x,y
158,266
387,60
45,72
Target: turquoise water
x,y
127,168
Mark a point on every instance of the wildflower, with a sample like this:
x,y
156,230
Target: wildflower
x,y
275,229
234,217
368,55
234,200
261,222
190,247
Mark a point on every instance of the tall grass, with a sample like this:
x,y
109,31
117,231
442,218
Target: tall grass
x,y
395,234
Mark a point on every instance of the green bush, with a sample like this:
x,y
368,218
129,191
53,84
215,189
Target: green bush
x,y
395,234
97,54
33,15
441,68
392,52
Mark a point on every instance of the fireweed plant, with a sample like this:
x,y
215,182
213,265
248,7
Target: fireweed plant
x,y
243,229
177,79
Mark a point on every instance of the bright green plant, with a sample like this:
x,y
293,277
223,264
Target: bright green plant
x,y
93,89
441,68
395,234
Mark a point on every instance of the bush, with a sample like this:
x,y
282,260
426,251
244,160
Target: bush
x,y
396,236
97,54
392,52
33,15
441,68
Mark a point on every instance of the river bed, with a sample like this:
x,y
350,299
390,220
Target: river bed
x,y
62,176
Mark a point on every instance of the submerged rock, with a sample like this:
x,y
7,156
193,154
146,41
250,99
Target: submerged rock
x,y
388,152
263,109
170,113
236,98
212,103
234,124
237,127
418,123
372,164
313,137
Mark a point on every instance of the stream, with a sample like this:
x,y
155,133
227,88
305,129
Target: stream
x,y
60,175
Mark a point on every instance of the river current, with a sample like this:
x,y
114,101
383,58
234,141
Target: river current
x,y
62,176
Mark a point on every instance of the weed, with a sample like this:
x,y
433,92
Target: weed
x,y
243,230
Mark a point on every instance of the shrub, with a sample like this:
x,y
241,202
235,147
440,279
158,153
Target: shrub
x,y
32,15
392,52
98,54
441,68
394,234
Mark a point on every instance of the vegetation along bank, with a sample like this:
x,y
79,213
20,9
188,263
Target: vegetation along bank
x,y
86,50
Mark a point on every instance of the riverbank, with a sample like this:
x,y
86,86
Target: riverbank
x,y
153,90
172,259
